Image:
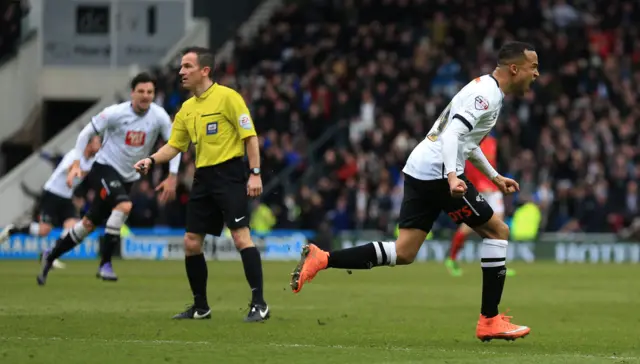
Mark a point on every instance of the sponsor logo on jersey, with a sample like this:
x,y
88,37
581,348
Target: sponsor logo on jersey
x,y
481,103
135,138
212,128
459,215
470,114
244,121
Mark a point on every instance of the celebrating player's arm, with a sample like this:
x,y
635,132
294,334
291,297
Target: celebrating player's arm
x,y
474,107
480,161
449,140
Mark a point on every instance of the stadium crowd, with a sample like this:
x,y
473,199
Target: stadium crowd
x,y
375,74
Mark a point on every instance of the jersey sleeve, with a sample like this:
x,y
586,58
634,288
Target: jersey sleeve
x,y
480,161
105,119
449,139
239,116
99,123
474,106
179,135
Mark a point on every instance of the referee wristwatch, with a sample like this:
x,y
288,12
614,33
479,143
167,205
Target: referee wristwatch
x,y
255,171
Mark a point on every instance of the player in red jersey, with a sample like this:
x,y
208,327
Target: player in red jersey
x,y
488,191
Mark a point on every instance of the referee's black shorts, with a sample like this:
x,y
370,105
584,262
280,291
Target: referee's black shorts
x,y
218,197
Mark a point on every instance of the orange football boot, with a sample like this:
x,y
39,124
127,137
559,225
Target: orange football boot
x,y
312,260
499,327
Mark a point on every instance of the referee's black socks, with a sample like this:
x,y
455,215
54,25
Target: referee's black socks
x,y
253,271
197,273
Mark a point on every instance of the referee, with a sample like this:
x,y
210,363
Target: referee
x,y
217,122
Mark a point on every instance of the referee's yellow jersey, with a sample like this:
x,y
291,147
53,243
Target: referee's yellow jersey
x,y
216,123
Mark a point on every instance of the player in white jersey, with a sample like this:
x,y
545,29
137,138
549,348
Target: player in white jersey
x,y
434,182
56,205
129,130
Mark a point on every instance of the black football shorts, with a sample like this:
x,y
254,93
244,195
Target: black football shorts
x,y
219,197
424,200
55,210
110,190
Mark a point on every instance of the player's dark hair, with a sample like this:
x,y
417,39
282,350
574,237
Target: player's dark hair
x,y
205,58
142,78
512,51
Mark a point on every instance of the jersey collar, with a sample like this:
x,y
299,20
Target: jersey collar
x,y
208,91
497,84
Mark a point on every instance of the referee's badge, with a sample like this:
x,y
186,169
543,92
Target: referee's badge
x,y
245,122
212,128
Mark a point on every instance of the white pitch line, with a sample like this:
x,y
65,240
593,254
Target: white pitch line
x,y
309,346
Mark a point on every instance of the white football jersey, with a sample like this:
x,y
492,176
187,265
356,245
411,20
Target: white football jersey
x,y
128,137
475,109
57,183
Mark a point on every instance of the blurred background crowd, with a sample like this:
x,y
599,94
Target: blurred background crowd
x,y
341,91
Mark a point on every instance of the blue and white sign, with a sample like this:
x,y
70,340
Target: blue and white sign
x,y
29,247
161,244
168,244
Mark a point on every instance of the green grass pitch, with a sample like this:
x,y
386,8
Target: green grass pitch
x,y
414,314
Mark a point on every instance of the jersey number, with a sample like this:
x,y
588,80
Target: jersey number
x,y
135,138
440,124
